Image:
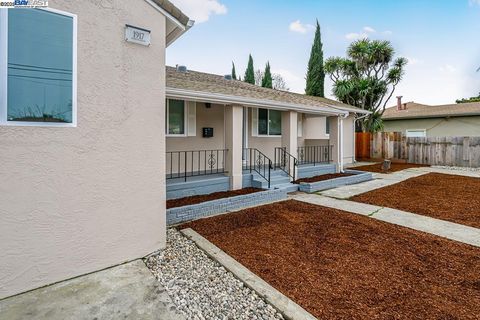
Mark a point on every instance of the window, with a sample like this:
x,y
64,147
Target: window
x,y
38,74
269,122
176,117
417,133
327,125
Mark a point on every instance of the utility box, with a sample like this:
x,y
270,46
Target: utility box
x,y
207,132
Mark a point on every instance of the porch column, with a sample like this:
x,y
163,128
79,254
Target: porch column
x,y
290,134
233,142
336,140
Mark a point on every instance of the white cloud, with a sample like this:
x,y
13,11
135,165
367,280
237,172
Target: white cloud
x,y
387,32
294,82
448,68
413,61
473,2
369,29
356,36
297,26
200,10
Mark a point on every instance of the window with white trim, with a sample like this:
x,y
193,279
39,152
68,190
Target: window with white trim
x,y
269,122
180,118
416,133
37,67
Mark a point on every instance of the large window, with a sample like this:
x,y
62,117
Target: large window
x,y
269,122
38,74
176,117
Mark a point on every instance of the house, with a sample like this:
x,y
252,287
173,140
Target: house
x,y
219,131
420,120
82,101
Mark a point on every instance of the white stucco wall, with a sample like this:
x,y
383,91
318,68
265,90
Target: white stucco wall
x,y
76,200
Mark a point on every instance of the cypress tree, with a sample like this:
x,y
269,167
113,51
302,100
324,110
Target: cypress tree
x,y
315,72
234,73
267,77
249,73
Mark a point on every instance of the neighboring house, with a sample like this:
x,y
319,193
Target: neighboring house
x,y
419,120
82,135
217,127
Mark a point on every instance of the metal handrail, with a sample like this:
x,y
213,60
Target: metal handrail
x,y
285,158
314,154
192,163
258,162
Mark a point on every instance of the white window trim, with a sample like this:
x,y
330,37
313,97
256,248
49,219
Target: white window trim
x,y
185,120
4,73
268,135
416,130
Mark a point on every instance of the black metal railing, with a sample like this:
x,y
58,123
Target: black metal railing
x,y
256,161
185,164
314,154
285,161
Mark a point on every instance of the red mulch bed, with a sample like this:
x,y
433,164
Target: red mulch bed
x,y
173,203
339,265
323,177
443,196
377,168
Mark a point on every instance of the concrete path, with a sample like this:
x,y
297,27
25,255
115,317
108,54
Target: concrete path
x,y
446,229
128,291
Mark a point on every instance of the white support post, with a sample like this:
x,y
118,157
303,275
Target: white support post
x,y
233,142
335,140
290,134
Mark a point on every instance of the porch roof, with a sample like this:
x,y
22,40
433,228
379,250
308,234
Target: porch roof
x,y
213,88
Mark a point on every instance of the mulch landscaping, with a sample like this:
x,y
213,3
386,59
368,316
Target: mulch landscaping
x,y
448,197
339,265
323,177
174,203
377,168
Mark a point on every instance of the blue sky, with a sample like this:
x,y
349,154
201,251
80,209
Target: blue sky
x,y
439,37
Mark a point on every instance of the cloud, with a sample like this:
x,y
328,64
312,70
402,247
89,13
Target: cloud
x,y
366,32
200,10
474,2
297,26
413,61
448,68
294,82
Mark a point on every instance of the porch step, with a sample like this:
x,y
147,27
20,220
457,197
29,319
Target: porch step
x,y
288,187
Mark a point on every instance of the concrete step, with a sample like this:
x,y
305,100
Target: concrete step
x,y
288,187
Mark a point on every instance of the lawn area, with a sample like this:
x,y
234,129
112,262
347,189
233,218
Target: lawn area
x,y
339,265
377,167
448,197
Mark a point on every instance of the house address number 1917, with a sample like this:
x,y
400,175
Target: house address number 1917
x,y
137,35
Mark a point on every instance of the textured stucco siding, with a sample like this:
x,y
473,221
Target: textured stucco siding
x,y
438,127
76,200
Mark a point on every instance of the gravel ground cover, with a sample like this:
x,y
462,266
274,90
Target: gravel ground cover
x,y
377,168
173,203
458,168
339,265
323,177
448,197
200,287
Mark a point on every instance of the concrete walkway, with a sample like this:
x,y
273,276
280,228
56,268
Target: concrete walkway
x,y
446,229
128,291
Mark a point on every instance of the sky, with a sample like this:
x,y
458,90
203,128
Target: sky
x,y
440,38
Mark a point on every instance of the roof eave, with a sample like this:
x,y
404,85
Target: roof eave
x,y
177,93
471,114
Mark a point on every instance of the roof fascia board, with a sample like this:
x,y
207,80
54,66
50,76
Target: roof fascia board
x,y
166,14
227,99
473,114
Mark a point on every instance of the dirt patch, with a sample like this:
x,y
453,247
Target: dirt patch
x,y
173,203
323,177
377,168
339,265
442,196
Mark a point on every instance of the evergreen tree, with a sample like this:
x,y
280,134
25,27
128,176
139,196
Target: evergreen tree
x,y
267,77
315,72
249,73
234,73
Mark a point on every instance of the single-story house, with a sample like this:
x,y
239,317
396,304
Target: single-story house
x,y
420,120
82,114
217,129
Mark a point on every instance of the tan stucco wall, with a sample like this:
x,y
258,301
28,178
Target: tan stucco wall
x,y
76,200
438,127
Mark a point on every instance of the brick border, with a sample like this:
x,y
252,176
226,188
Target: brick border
x,y
209,208
359,176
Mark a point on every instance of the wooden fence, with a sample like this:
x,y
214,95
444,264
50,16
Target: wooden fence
x,y
448,151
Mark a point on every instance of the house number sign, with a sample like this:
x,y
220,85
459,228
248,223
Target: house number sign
x,y
137,35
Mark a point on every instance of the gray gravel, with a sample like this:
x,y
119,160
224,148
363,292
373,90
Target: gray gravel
x,y
200,287
458,168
